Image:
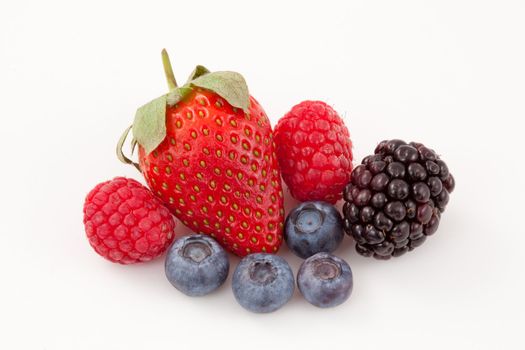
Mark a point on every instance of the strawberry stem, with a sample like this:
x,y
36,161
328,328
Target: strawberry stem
x,y
168,71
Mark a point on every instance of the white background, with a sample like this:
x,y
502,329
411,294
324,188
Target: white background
x,y
448,73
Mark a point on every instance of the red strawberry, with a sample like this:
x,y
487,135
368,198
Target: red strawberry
x,y
206,149
314,152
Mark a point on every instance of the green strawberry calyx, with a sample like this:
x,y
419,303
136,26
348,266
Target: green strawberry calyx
x,y
149,126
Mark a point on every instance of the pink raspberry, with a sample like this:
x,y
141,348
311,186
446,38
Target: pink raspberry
x,y
314,152
126,223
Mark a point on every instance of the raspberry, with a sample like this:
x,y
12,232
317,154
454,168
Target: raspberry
x,y
314,152
396,198
126,223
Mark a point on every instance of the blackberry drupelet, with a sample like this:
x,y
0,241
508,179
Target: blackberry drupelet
x,y
396,198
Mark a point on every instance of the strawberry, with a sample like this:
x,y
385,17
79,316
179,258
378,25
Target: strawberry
x,y
206,150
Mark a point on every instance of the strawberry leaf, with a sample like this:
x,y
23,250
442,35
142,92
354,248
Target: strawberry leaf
x,y
149,127
229,85
197,72
176,95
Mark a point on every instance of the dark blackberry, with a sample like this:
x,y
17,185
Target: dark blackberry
x,y
396,198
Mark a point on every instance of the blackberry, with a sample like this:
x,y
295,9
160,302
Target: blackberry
x,y
395,198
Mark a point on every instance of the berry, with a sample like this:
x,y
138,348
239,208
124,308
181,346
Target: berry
x,y
314,152
126,223
313,227
196,265
263,282
325,280
213,164
401,205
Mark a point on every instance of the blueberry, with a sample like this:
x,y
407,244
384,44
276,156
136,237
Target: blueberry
x,y
263,282
325,280
314,227
196,265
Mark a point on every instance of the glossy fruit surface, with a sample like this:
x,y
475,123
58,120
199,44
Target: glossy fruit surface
x,y
314,151
263,283
217,172
396,198
325,280
196,265
125,223
313,227
206,149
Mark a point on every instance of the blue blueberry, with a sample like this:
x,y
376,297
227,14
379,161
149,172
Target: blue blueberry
x,y
263,282
196,265
313,227
325,280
